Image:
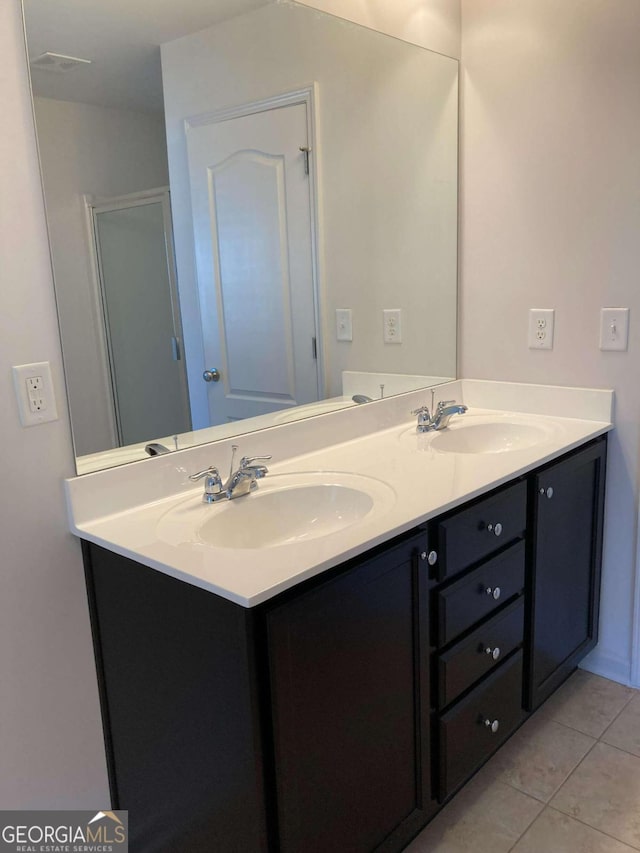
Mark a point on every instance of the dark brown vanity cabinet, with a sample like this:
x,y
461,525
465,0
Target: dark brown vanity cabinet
x,y
479,610
567,499
349,675
341,714
301,725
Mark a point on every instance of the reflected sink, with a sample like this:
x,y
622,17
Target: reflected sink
x,y
285,509
308,410
484,434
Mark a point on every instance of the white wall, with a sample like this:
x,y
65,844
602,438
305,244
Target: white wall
x,y
387,115
51,752
101,152
434,24
550,218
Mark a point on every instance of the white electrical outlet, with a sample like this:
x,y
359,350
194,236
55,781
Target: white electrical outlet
x,y
541,323
34,391
614,329
344,326
392,325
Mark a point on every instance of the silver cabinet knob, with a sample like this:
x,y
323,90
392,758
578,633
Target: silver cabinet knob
x,y
494,725
496,529
495,653
211,375
431,557
494,591
548,492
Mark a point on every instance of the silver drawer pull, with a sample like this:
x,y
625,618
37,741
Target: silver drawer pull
x,y
494,725
495,592
496,529
495,653
548,492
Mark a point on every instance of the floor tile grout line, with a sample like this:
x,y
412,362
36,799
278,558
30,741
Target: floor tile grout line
x,y
564,781
619,749
549,716
579,764
595,828
555,808
528,826
573,728
630,700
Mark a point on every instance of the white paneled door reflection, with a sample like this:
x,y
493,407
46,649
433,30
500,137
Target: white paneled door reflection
x,y
253,232
142,325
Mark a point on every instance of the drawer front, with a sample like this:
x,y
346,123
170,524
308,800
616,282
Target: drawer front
x,y
479,724
484,650
476,532
479,593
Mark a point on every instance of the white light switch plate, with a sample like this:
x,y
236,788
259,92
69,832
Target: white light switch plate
x,y
344,326
614,329
34,392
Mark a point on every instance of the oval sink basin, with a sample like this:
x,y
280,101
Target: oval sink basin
x,y
285,509
488,438
480,434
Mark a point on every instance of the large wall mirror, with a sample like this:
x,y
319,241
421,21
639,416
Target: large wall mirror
x,y
252,209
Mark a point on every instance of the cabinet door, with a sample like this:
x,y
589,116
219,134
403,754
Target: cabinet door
x,y
565,579
349,681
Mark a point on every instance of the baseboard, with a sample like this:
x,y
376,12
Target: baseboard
x,y
608,666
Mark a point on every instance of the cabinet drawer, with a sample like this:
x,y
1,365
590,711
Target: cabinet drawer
x,y
480,652
476,532
476,595
479,723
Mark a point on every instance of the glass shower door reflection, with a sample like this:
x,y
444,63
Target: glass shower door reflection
x,y
141,320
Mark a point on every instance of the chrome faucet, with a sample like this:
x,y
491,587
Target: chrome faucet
x,y
240,482
445,410
246,477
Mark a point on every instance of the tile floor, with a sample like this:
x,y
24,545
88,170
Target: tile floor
x,y
567,782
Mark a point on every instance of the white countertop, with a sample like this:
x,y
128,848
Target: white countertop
x,y
421,484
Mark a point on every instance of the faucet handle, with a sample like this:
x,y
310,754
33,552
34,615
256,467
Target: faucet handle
x,y
211,471
444,403
422,410
247,461
212,483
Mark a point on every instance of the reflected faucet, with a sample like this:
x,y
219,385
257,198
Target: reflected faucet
x,y
156,449
362,398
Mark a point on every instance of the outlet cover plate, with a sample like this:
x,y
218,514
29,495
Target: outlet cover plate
x,y
34,391
392,325
541,323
